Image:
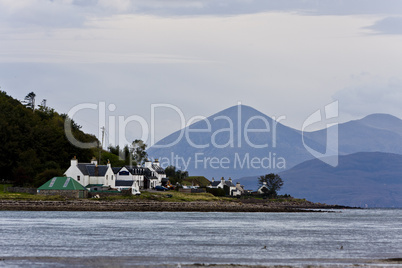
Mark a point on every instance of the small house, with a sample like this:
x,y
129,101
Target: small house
x,y
64,186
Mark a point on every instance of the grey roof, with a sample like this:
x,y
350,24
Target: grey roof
x,y
116,169
227,183
158,169
230,184
97,170
124,183
83,168
139,170
92,170
215,183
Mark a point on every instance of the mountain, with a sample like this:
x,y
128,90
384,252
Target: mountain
x,y
231,158
360,179
226,146
373,133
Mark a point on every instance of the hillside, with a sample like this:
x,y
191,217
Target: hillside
x,y
373,133
33,145
372,179
360,179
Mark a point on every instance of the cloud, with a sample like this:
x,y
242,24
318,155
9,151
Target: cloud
x,y
389,25
53,14
74,13
371,95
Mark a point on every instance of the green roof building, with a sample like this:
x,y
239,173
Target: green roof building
x,y
64,186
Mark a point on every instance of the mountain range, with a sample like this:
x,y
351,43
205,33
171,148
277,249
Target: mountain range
x,y
285,146
368,171
371,179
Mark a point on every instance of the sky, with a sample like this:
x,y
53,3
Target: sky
x,y
172,58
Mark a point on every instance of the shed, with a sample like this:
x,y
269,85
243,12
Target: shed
x,y
64,186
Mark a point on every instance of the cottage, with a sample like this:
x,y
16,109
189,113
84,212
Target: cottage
x,y
156,171
228,186
263,189
91,173
64,186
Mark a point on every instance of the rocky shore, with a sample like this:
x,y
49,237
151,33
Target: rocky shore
x,y
141,205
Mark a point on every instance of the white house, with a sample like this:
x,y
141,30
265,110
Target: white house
x,y
91,173
233,190
156,171
263,189
135,178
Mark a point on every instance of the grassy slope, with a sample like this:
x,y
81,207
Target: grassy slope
x,y
196,180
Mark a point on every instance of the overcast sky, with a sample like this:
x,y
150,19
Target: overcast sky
x,y
284,58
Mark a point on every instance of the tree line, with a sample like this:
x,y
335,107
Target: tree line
x,y
33,145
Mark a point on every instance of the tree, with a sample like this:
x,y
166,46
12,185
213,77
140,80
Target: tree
x,y
30,100
175,176
139,153
273,183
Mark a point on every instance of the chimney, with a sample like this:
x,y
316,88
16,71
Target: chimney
x,y
147,163
93,161
108,164
230,179
96,170
212,179
222,179
156,162
74,161
264,183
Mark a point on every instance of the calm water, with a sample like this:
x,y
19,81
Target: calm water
x,y
174,237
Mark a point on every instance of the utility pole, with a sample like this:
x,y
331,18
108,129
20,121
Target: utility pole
x,y
101,147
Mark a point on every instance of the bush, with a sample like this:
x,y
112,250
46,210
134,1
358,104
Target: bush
x,y
216,191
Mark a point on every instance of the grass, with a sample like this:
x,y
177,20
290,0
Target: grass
x,y
4,194
196,180
170,196
25,196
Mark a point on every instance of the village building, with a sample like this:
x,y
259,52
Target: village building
x,y
263,189
232,189
103,177
64,186
91,173
157,171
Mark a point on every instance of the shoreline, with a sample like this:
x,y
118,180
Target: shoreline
x,y
159,206
146,262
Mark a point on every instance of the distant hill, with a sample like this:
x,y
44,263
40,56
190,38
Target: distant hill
x,y
373,133
360,179
226,129
32,143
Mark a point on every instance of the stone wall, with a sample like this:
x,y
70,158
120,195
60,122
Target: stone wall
x,y
109,193
192,191
65,193
21,190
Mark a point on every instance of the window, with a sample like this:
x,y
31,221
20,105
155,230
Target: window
x,y
78,178
112,177
106,177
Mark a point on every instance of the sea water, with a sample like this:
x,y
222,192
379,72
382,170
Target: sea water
x,y
192,237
